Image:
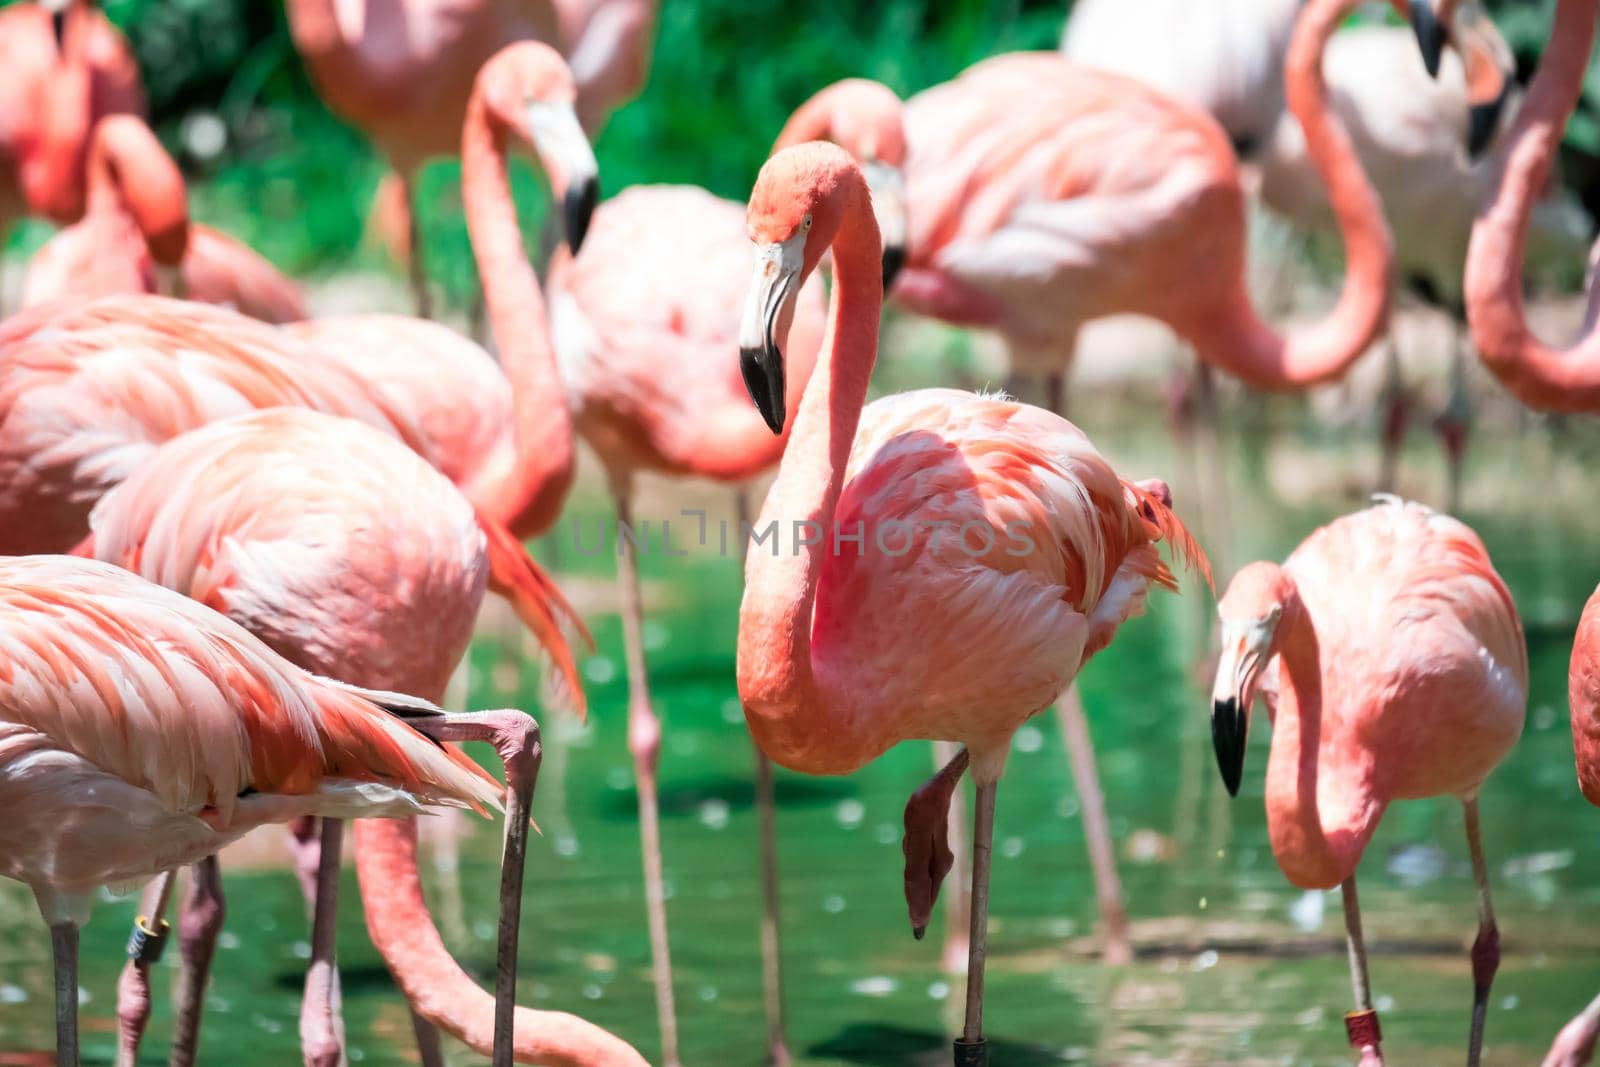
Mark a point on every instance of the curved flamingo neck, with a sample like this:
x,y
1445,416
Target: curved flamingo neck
x,y
1237,340
1321,810
130,174
435,985
1553,379
527,495
801,724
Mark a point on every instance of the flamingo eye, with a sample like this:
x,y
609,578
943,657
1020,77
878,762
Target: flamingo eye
x,y
805,223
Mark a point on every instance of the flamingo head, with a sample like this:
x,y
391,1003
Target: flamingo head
x,y
864,118
1251,611
529,89
800,199
1485,58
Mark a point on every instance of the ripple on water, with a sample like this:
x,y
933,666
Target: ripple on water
x,y
849,813
714,814
878,985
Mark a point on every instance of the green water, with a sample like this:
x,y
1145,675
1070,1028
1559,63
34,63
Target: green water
x,y
1234,965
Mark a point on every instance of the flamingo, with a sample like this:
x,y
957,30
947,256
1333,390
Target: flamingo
x,y
144,731
1574,1046
641,322
349,555
1224,57
1546,378
137,228
1408,131
879,629
1393,664
62,66
404,74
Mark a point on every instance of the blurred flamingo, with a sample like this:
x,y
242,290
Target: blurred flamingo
x,y
848,647
143,731
136,237
1392,661
404,72
62,67
1409,131
353,558
642,326
1224,57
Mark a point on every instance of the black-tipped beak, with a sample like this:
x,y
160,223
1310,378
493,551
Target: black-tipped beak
x,y
1430,34
577,208
1229,730
58,27
1482,122
763,378
894,257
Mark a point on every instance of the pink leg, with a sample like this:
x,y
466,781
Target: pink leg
x,y
1454,424
149,937
1115,948
416,267
1574,1046
1362,1024
198,926
515,737
321,1029
1392,434
644,742
305,846
1486,947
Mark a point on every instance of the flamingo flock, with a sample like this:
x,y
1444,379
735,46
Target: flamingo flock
x,y
245,549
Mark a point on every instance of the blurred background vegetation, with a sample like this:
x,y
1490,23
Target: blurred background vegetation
x,y
269,163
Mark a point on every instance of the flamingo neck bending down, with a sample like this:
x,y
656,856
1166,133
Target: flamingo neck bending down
x,y
787,705
1551,379
1234,337
131,175
527,495
1320,811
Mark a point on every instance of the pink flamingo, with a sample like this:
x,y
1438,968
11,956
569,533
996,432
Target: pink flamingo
x,y
352,557
62,67
909,630
137,229
1393,664
1543,377
641,346
607,45
143,731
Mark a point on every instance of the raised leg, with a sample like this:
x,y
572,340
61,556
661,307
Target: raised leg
x,y
644,742
958,905
971,1049
1361,1025
1115,948
321,1028
1392,432
198,925
1574,1045
64,947
1486,947
771,905
927,841
416,265
515,737
145,943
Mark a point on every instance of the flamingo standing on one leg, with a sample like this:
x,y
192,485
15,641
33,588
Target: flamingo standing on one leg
x,y
1402,674
642,324
846,648
137,228
345,552
143,731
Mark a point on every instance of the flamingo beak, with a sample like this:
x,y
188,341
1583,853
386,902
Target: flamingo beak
x,y
1246,648
1482,122
1430,33
888,188
768,310
568,159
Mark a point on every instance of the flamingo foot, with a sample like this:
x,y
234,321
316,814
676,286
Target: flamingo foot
x,y
927,842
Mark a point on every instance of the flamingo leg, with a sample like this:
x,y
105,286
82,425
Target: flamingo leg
x,y
1055,393
321,1029
958,906
1574,1045
1392,432
1486,947
771,904
971,1049
1361,1024
64,947
149,937
416,267
644,742
1454,423
1115,948
515,737
198,926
